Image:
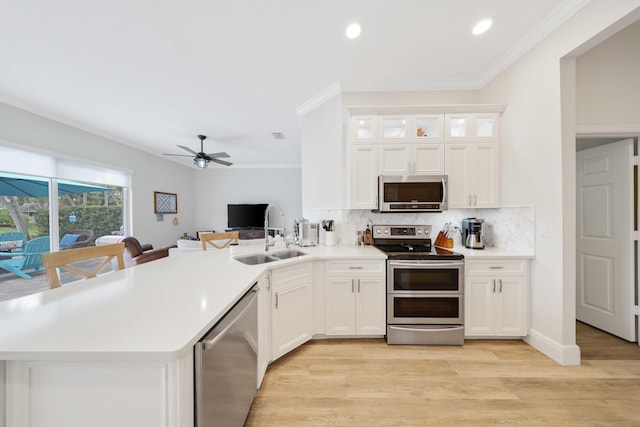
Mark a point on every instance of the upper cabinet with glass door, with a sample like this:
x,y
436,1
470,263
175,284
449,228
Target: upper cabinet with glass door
x,y
471,127
429,128
395,128
364,129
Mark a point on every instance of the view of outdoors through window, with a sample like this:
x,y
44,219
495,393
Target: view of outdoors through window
x,y
85,212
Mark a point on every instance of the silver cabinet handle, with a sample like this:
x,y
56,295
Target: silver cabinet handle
x,y
493,285
496,267
358,285
268,284
500,283
276,300
353,285
355,267
469,200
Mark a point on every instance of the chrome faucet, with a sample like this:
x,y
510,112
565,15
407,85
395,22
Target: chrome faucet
x,y
266,226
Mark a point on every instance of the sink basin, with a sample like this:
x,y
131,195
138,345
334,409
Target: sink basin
x,y
256,259
288,254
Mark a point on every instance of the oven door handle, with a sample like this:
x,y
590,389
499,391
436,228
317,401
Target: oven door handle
x,y
445,329
425,264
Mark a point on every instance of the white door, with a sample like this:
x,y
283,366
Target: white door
x,y
605,269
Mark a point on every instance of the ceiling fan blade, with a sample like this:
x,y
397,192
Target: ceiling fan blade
x,y
222,162
221,155
188,149
178,155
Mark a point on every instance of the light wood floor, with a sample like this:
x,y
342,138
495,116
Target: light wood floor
x,y
484,383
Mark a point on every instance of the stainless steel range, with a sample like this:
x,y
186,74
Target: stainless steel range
x,y
425,287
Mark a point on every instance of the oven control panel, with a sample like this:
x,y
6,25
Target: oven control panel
x,y
401,232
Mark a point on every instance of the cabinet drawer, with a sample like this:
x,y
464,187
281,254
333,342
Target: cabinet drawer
x,y
355,266
284,276
512,267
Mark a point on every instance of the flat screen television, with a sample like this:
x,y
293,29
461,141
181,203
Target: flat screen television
x,y
246,215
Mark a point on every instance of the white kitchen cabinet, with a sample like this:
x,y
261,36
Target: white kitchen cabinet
x,y
496,298
419,159
471,128
264,325
355,298
291,308
364,176
364,129
472,170
471,160
395,128
428,128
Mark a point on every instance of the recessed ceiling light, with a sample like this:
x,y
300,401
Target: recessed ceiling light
x,y
353,30
482,26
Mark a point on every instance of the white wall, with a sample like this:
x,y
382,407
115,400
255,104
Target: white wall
x,y
323,157
539,167
608,81
28,131
215,188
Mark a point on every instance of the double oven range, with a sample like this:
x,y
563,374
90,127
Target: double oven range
x,y
425,287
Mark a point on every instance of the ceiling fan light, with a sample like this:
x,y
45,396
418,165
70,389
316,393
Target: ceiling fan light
x,y
200,162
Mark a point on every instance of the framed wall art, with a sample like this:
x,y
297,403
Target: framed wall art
x,y
165,203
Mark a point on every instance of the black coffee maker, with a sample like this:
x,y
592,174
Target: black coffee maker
x,y
473,233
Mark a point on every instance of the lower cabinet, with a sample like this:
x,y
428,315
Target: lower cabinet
x,y
496,298
355,298
291,308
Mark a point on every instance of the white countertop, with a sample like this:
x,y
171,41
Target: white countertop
x,y
154,311
488,252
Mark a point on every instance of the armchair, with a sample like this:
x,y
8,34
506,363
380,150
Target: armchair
x,y
134,252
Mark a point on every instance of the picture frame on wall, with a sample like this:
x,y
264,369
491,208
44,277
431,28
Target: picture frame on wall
x,y
165,203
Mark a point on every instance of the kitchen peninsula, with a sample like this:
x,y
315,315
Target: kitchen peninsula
x,y
118,349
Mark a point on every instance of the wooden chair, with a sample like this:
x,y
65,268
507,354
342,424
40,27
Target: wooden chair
x,y
211,238
62,259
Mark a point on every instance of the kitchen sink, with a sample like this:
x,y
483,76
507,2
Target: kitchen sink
x,y
288,254
264,258
256,259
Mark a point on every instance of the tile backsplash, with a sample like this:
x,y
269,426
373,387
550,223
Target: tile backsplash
x,y
510,228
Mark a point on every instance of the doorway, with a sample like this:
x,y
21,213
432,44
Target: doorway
x,y
606,221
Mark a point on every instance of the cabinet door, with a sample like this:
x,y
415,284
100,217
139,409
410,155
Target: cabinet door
x,y
457,128
511,306
459,168
340,306
429,128
485,193
485,127
364,129
479,310
371,306
364,176
428,159
394,128
395,159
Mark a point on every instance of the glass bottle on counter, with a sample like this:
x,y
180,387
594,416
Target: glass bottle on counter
x,y
367,236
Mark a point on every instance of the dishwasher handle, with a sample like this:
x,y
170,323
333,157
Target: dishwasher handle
x,y
244,305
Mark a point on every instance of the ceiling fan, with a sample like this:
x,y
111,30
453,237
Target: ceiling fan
x,y
201,159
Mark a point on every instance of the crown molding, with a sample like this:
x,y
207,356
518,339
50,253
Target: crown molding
x,y
556,18
319,99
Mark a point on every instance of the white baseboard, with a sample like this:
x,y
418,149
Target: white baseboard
x,y
567,355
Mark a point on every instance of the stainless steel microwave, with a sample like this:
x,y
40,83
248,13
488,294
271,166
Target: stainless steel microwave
x,y
412,193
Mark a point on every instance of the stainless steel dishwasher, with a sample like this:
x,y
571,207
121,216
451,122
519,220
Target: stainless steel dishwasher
x,y
226,366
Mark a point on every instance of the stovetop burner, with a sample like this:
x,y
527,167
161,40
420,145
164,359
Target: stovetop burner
x,y
409,242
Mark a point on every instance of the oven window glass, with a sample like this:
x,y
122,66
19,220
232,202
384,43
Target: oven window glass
x,y
412,191
427,307
426,279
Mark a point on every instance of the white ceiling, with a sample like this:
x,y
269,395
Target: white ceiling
x,y
155,73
